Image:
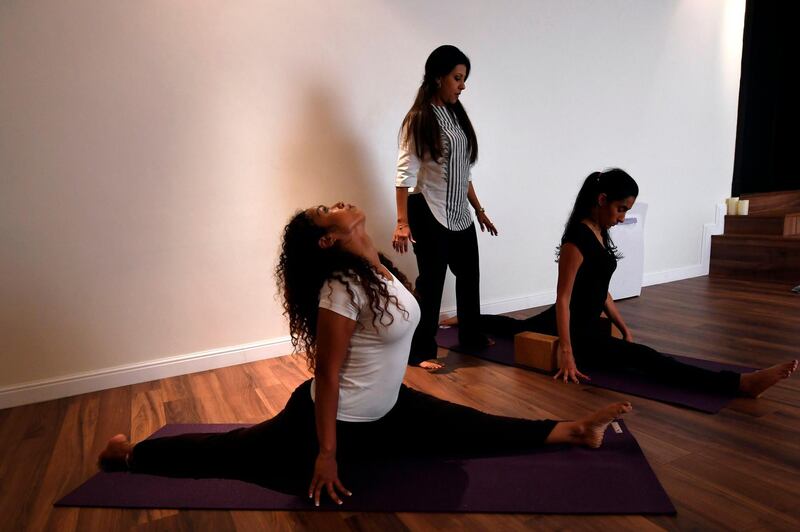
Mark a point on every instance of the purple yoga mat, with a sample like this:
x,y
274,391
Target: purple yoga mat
x,y
615,479
618,380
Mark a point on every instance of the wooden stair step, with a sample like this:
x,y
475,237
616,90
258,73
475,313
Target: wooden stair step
x,y
756,257
786,201
776,224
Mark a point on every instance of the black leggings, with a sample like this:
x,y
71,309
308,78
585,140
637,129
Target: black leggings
x,y
281,451
594,347
436,248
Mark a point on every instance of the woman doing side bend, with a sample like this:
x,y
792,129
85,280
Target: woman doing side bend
x,y
587,259
350,310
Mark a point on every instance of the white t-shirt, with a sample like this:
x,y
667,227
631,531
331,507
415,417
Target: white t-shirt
x,y
373,370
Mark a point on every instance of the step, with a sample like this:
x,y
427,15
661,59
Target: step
x,y
756,258
773,202
763,224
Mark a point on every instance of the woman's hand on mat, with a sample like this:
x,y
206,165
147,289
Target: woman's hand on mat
x,y
567,368
627,335
326,476
401,237
486,223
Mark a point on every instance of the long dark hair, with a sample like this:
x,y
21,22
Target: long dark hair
x,y
420,125
616,184
304,267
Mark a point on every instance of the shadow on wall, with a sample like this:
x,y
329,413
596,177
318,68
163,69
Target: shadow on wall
x,y
327,160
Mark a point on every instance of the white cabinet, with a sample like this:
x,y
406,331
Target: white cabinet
x,y
629,239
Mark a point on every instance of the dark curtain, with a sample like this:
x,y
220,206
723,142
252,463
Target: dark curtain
x,y
769,99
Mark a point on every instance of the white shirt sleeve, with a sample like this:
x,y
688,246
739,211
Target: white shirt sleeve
x,y
334,297
408,165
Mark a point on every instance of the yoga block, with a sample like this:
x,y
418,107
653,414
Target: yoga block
x,y
535,350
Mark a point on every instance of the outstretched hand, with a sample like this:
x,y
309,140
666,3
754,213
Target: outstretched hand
x,y
401,237
486,223
568,370
326,476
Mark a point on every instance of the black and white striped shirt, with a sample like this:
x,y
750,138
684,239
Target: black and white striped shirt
x,y
443,183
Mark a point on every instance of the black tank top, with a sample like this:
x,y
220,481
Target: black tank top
x,y
594,274
591,284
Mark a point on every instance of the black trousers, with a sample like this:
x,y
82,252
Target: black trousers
x,y
281,451
594,347
437,248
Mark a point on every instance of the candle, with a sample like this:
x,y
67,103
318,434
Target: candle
x,y
732,204
743,207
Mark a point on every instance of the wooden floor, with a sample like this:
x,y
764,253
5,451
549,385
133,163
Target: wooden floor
x,y
739,469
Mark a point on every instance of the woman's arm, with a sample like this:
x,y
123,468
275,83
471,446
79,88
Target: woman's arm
x,y
333,338
402,232
483,219
569,260
613,313
408,165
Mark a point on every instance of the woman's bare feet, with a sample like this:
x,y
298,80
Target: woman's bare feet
x,y
115,456
755,383
593,427
589,431
449,322
431,365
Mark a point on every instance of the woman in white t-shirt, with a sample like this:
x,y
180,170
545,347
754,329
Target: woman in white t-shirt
x,y
434,192
351,312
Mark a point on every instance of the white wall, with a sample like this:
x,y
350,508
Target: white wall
x,y
151,151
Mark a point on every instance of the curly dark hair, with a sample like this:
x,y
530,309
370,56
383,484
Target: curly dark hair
x,y
304,267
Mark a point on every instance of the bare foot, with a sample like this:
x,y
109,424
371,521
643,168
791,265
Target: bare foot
x,y
115,456
590,430
449,322
431,365
755,383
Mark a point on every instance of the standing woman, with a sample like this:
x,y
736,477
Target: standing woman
x,y
434,193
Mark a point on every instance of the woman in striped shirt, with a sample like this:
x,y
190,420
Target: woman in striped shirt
x,y
434,193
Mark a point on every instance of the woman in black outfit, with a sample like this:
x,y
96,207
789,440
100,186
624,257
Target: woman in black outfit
x,y
434,193
587,259
351,313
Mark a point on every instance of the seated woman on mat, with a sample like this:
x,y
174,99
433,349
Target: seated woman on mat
x,y
587,259
352,313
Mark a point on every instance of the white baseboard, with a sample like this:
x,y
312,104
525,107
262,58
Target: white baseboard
x,y
500,306
102,379
675,274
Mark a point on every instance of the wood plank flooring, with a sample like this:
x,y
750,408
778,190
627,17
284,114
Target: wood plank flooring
x,y
738,470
